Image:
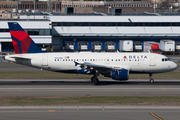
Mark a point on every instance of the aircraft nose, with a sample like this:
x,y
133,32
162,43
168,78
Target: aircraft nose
x,y
174,65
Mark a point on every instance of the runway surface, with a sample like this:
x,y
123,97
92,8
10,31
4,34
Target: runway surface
x,y
83,87
98,113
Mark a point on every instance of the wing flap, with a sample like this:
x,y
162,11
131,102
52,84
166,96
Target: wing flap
x,y
97,66
100,66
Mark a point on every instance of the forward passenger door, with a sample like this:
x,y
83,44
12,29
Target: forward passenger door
x,y
152,61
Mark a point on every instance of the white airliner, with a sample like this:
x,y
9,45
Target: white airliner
x,y
114,65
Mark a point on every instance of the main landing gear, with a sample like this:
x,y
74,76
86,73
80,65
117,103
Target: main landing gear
x,y
151,78
94,79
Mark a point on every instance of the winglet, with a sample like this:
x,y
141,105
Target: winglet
x,y
22,43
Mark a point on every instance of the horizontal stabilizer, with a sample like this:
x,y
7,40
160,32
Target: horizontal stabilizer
x,y
21,58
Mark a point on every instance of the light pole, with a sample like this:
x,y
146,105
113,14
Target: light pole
x,y
170,9
55,5
109,8
34,8
1,51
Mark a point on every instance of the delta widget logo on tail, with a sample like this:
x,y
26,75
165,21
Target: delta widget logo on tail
x,y
21,41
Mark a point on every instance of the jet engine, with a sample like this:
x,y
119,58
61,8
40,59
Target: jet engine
x,y
119,74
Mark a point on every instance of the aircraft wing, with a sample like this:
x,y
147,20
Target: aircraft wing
x,y
101,68
97,66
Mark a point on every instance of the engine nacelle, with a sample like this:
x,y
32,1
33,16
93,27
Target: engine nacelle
x,y
120,74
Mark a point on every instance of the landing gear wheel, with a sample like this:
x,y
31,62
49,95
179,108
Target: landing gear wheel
x,y
95,81
92,79
151,80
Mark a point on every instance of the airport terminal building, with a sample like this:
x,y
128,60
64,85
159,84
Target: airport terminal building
x,y
94,32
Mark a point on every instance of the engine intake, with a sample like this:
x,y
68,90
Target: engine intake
x,y
120,74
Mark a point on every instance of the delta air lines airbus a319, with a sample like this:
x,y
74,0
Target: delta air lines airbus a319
x,y
114,65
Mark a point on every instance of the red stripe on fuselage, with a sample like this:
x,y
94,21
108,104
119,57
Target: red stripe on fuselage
x,y
24,38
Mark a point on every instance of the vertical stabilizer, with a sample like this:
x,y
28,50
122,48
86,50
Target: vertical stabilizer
x,y
21,41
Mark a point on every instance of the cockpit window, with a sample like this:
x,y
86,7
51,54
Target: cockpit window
x,y
165,59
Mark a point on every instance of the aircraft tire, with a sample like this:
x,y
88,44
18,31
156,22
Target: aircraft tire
x,y
92,79
95,81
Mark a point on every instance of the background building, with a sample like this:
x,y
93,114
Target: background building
x,y
89,32
90,6
95,32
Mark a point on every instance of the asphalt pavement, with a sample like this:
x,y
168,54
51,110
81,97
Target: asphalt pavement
x,y
83,87
90,113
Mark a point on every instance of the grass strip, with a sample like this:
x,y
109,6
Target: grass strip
x,y
90,100
54,75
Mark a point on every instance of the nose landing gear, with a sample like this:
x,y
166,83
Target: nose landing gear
x,y
151,78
